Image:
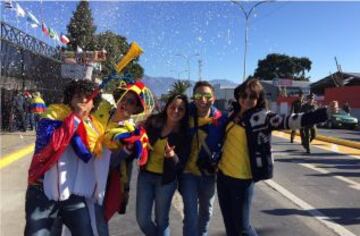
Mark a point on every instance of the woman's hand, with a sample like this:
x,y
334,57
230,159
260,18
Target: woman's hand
x,y
169,151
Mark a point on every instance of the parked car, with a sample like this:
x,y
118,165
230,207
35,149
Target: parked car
x,y
341,119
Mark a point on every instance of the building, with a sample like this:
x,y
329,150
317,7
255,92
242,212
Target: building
x,y
274,89
341,87
338,79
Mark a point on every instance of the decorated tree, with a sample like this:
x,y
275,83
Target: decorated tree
x,y
81,28
81,31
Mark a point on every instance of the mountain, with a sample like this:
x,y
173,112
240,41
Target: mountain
x,y
161,85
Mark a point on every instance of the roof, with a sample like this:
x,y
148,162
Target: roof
x,y
342,78
335,80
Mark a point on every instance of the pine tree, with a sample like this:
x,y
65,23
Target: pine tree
x,y
81,28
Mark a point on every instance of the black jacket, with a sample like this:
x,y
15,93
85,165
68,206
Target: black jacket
x,y
259,123
172,166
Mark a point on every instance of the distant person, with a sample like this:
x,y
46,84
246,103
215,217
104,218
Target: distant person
x,y
29,116
296,108
346,107
19,111
308,133
38,107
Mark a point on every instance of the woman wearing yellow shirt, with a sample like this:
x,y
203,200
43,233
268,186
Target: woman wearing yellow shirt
x,y
157,180
246,156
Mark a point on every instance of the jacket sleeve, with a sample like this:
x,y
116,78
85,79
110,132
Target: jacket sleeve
x,y
296,120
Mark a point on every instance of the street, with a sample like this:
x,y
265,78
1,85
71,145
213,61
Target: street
x,y
315,194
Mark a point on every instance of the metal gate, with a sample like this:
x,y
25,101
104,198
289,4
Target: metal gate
x,y
27,64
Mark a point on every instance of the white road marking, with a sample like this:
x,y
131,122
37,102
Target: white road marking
x,y
325,220
352,184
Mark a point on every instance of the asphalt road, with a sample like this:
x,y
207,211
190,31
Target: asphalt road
x,y
311,195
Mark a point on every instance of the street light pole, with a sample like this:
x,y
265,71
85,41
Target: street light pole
x,y
187,58
247,15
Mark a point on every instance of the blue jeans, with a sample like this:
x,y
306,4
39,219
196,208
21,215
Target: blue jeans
x,y
41,213
235,196
198,193
150,190
101,224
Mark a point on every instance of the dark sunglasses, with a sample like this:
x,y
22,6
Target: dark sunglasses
x,y
130,101
251,96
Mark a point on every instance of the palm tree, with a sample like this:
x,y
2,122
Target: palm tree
x,y
180,87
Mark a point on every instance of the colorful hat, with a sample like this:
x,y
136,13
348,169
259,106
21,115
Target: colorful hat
x,y
138,88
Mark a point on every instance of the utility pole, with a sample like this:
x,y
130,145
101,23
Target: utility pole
x,y
247,15
187,59
200,67
339,75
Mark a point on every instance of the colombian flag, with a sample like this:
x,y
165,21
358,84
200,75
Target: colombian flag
x,y
38,105
58,129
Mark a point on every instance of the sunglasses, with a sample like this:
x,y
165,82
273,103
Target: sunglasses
x,y
207,96
130,101
251,96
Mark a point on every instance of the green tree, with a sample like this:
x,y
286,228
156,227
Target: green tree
x,y
81,28
179,87
135,70
283,66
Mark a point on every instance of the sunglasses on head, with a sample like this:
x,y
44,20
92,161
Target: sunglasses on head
x,y
198,96
251,96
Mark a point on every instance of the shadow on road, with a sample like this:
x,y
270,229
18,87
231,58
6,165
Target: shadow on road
x,y
343,216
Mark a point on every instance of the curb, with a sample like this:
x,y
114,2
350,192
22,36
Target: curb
x,y
328,139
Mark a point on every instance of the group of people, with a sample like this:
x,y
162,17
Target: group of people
x,y
26,110
81,168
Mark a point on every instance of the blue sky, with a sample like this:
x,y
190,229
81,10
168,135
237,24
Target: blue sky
x,y
215,31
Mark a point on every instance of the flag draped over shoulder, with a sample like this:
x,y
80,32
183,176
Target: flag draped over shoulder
x,y
38,105
57,130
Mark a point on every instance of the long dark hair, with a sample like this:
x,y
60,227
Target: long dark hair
x,y
253,85
159,120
